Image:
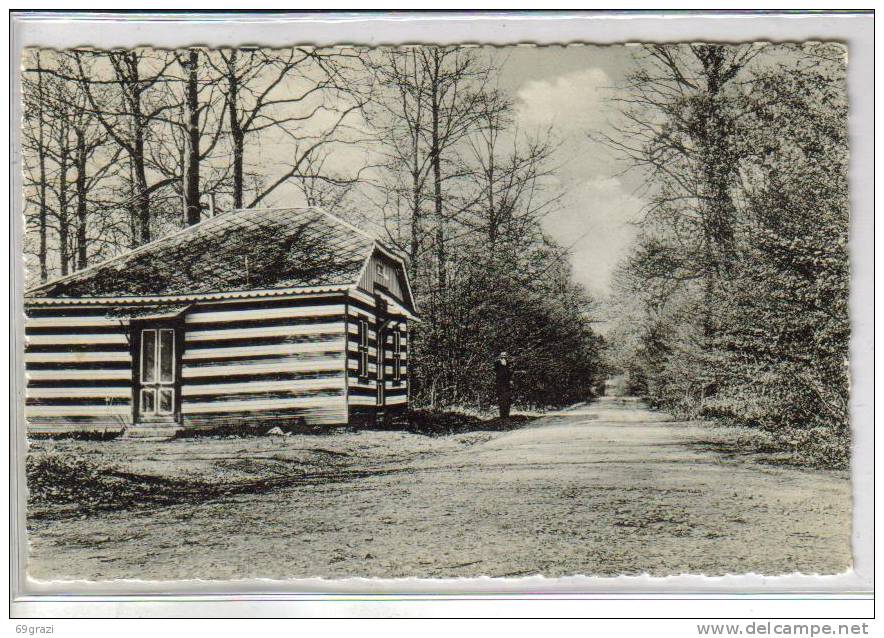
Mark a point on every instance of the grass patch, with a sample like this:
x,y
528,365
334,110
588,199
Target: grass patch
x,y
813,450
443,423
84,479
67,484
239,431
96,435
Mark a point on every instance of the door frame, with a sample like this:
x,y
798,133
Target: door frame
x,y
136,330
381,398
381,328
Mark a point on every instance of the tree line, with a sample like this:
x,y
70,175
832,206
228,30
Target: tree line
x,y
734,302
416,144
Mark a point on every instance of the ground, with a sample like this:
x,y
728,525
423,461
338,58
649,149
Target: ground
x,y
605,489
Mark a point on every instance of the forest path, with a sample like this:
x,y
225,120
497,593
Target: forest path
x,y
601,489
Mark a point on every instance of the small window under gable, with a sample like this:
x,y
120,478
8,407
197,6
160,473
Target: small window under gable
x,y
380,270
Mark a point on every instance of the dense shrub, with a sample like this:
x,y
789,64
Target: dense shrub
x,y
493,305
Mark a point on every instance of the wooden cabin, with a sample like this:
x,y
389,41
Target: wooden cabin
x,y
258,317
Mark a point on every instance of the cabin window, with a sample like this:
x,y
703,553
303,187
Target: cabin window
x,y
397,356
363,348
166,404
381,271
148,356
148,401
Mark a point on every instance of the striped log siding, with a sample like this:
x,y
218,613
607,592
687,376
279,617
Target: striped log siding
x,y
362,391
261,362
243,362
78,367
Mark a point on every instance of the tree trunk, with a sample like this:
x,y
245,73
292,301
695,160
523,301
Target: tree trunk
x,y
436,158
718,169
63,221
236,132
133,214
41,149
489,196
139,126
416,230
238,145
82,257
192,166
142,199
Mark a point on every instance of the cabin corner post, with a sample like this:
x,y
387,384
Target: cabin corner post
x,y
133,331
408,355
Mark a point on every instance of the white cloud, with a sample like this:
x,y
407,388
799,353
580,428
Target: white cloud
x,y
598,214
574,102
599,209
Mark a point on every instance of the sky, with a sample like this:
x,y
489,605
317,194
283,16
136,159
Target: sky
x,y
569,88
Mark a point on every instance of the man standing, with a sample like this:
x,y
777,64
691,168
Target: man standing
x,y
503,375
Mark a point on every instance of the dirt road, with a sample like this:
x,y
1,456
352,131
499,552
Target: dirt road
x,y
607,489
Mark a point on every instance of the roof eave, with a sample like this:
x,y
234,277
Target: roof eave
x,y
208,296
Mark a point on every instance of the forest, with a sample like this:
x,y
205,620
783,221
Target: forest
x,y
734,302
416,145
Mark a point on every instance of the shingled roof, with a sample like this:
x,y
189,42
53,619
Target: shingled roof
x,y
242,250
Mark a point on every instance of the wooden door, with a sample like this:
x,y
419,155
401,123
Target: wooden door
x,y
158,389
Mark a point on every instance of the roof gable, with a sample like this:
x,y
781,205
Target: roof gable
x,y
392,279
251,249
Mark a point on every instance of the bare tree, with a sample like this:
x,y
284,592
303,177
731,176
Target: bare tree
x,y
462,185
681,110
190,132
298,93
126,111
192,136
34,142
90,171
73,146
509,171
430,100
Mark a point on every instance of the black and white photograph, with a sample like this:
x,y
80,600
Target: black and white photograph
x,y
436,311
